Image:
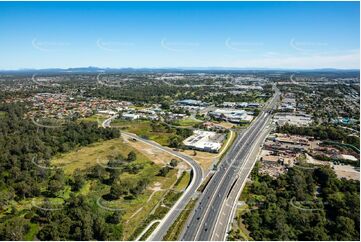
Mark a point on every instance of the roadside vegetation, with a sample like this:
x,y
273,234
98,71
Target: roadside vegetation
x,y
322,133
303,204
177,227
149,231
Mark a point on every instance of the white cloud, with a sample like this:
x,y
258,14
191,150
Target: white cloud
x,y
349,59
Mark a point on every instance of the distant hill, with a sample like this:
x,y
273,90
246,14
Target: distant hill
x,y
90,69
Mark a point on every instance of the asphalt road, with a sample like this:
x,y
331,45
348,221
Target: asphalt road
x,y
229,206
178,207
182,202
203,221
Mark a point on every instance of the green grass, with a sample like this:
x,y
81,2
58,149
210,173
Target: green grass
x,y
149,231
241,230
168,199
138,209
137,222
187,122
138,212
94,118
31,233
183,181
91,155
174,231
143,128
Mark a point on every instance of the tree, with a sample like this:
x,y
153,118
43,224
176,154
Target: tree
x,y
345,229
12,230
49,232
165,106
55,186
139,188
173,163
174,141
132,156
118,189
79,181
115,218
163,171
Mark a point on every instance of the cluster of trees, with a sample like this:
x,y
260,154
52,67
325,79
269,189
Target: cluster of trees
x,y
321,132
250,96
110,175
165,169
304,204
23,145
175,141
76,219
139,93
25,150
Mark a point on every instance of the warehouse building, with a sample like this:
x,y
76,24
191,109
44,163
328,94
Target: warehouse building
x,y
232,115
204,141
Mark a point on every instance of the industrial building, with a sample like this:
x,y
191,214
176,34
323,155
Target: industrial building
x,y
204,141
299,119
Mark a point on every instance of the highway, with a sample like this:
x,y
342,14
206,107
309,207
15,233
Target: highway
x,y
233,170
181,203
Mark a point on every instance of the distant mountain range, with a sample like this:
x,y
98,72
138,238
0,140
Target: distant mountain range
x,y
88,70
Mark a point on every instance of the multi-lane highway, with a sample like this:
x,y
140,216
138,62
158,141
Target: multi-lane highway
x,y
230,173
211,216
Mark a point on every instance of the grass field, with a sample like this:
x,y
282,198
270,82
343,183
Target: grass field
x,y
140,208
143,128
94,118
91,155
175,230
187,122
135,210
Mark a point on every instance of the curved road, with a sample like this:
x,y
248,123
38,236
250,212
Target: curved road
x,y
177,208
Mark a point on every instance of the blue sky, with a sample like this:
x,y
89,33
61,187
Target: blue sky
x,y
180,34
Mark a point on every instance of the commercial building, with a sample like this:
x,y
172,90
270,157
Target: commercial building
x,y
232,115
293,119
190,102
204,141
130,116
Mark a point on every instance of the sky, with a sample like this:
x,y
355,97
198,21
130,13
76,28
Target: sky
x,y
290,35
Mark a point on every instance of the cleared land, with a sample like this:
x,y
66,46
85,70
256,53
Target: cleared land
x,y
143,128
136,210
95,118
154,154
187,122
91,155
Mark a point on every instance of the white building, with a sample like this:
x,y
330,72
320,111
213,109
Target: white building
x,y
232,115
204,141
130,116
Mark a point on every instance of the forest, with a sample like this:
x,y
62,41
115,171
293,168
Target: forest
x,y
23,146
303,204
322,133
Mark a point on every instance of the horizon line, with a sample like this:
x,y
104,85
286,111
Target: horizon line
x,y
178,68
